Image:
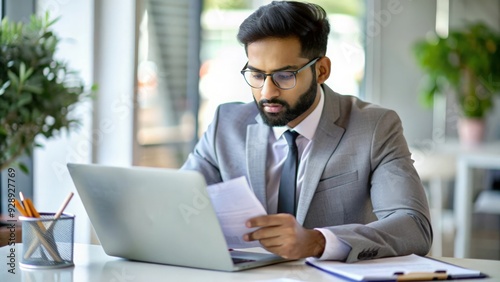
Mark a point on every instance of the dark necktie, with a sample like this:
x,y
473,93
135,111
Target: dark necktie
x,y
287,190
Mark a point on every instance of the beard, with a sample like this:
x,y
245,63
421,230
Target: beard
x,y
288,114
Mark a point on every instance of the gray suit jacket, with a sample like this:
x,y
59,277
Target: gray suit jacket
x,y
361,185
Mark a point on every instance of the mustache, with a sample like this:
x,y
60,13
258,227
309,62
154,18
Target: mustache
x,y
272,101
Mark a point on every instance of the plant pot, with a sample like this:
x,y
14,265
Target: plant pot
x,y
471,131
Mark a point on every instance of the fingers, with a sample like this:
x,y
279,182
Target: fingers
x,y
279,234
278,245
273,242
263,233
270,226
271,220
282,235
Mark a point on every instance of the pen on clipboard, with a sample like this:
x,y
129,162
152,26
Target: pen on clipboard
x,y
421,276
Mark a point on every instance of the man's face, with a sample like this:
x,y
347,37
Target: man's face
x,y
280,107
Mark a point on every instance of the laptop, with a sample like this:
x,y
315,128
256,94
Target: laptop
x,y
159,216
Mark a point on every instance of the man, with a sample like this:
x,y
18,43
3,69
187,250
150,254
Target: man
x,y
356,194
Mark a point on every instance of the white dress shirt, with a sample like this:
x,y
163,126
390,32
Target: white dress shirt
x,y
334,248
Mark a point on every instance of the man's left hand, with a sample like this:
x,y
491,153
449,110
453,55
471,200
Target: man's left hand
x,y
281,234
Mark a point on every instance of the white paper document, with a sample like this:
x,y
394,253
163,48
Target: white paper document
x,y
235,203
411,267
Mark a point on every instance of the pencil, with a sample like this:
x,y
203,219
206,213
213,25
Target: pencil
x,y
63,206
34,212
40,231
34,245
19,207
45,232
25,204
31,211
31,207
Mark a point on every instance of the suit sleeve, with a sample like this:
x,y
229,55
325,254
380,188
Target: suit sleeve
x,y
398,198
204,157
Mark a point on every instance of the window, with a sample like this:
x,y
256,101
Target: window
x,y
167,73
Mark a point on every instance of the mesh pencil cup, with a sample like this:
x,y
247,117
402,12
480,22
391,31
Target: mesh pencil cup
x,y
47,242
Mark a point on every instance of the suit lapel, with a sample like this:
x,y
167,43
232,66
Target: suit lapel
x,y
257,139
324,143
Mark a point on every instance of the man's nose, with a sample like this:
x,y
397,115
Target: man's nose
x,y
269,89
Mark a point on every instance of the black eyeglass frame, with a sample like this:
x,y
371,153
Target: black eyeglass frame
x,y
244,70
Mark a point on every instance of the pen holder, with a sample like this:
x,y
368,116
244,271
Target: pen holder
x,y
47,242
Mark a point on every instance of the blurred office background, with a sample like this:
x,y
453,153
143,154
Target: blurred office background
x,y
163,66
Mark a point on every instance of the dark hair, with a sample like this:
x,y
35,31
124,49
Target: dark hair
x,y
306,21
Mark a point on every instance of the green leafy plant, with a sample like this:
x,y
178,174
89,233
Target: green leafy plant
x,y
468,61
37,91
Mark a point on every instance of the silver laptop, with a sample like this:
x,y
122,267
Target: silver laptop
x,y
159,216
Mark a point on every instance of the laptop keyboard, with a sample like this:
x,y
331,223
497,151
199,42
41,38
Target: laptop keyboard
x,y
241,260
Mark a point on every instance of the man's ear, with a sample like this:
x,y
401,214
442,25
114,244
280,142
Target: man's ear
x,y
323,67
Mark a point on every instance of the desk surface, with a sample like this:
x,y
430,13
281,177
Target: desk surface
x,y
92,264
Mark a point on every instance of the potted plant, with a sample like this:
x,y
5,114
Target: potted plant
x,y
468,62
37,91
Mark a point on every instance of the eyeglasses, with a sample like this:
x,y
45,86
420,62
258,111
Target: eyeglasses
x,y
282,79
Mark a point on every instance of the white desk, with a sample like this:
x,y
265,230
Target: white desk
x,y
484,157
92,264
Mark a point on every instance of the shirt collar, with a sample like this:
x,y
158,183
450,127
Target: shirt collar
x,y
308,126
